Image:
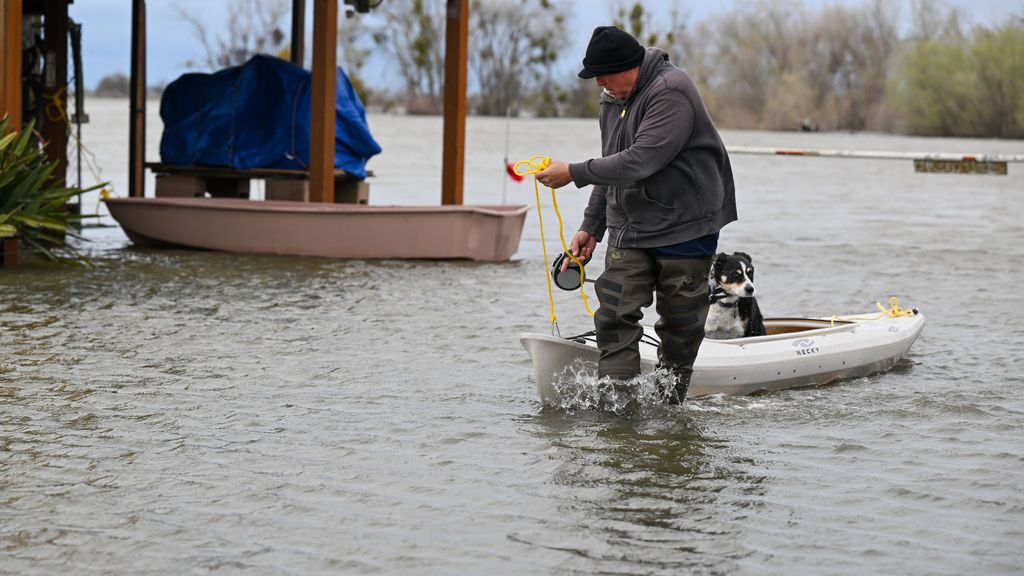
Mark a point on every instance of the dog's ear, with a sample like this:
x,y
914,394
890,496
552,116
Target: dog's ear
x,y
744,255
713,271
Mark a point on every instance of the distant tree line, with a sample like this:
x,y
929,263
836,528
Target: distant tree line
x,y
118,85
773,65
514,48
782,66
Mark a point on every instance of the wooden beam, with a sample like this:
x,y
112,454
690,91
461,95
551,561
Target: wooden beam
x,y
56,124
298,50
325,95
456,34
10,62
8,252
137,104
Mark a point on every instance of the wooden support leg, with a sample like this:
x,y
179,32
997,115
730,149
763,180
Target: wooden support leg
x,y
9,252
228,187
346,190
293,190
179,186
351,191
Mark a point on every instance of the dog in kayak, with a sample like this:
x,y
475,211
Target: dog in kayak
x,y
734,312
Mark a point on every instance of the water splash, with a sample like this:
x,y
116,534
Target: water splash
x,y
579,388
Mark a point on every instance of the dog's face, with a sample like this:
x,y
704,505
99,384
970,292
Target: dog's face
x,y
734,273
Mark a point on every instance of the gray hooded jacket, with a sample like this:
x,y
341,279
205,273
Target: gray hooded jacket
x,y
664,176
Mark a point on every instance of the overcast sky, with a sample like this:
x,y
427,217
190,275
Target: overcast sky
x,y
107,28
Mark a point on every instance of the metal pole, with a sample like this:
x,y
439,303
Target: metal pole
x,y
504,176
55,87
80,116
298,32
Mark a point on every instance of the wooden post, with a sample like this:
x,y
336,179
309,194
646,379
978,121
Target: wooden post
x,y
10,93
56,125
298,50
9,252
325,95
456,34
10,62
137,120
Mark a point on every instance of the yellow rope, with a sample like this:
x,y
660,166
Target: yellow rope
x,y
55,111
533,166
893,311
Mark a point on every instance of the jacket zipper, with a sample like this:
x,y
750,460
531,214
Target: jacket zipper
x,y
618,189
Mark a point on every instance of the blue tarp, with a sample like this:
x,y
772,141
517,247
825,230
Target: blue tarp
x,y
257,115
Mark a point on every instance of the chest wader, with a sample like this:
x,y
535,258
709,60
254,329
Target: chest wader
x,y
630,279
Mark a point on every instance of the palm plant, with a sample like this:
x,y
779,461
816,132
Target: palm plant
x,y
31,209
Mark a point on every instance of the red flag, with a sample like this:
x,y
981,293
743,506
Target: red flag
x,y
510,167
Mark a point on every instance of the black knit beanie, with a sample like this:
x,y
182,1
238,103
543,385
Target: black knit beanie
x,y
611,50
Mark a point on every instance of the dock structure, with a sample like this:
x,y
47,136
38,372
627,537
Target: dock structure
x,y
324,61
186,216
47,24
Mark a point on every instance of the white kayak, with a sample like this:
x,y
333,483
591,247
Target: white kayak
x,y
796,352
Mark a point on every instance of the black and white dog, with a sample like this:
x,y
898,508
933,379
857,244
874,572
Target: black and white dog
x,y
733,312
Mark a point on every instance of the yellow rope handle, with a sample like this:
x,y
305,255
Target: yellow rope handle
x,y
543,243
893,311
533,166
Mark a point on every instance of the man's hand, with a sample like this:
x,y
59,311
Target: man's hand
x,y
582,247
555,175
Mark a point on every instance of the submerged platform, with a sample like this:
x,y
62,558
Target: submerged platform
x,y
485,233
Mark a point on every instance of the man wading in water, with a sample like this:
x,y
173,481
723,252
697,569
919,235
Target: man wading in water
x,y
663,188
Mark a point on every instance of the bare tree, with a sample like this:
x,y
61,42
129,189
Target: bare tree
x,y
755,46
514,46
847,62
933,20
353,38
638,21
253,27
412,31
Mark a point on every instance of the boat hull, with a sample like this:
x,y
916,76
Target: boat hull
x,y
800,352
486,233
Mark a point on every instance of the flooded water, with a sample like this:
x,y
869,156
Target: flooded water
x,y
191,412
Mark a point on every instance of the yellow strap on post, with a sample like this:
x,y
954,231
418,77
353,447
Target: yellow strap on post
x,y
56,111
533,166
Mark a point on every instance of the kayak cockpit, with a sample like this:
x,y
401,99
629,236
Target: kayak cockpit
x,y
784,328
